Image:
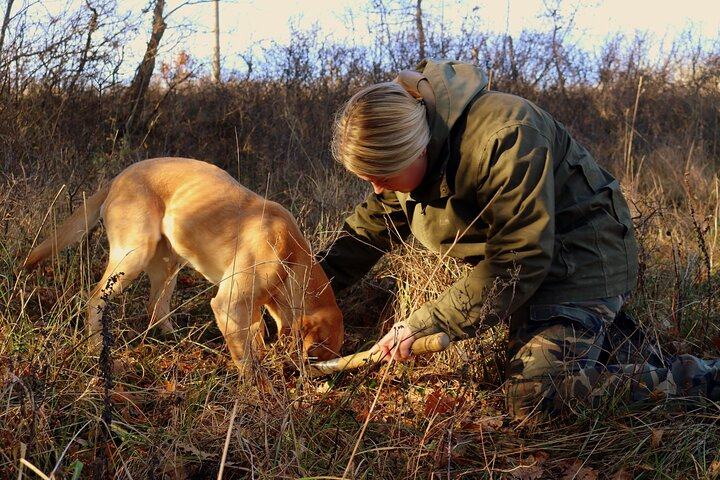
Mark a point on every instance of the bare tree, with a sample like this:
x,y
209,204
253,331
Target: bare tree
x,y
420,29
6,21
85,53
216,51
562,25
140,83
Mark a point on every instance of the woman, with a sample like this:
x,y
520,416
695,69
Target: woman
x,y
491,178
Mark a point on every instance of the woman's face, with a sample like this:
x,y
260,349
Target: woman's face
x,y
405,181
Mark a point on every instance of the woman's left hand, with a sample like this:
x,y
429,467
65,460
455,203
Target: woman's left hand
x,y
396,344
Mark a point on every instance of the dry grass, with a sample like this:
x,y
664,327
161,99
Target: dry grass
x,y
179,409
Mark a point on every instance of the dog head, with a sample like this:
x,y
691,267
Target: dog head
x,y
323,333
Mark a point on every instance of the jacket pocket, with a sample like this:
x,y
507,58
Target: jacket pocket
x,y
567,334
591,171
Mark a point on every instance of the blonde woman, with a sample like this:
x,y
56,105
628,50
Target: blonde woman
x,y
493,179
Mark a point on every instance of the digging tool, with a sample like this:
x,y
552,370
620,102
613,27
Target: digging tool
x,y
429,344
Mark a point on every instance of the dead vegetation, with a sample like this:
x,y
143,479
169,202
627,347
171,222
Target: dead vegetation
x,y
175,408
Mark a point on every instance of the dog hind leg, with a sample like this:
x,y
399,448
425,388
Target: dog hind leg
x,y
133,241
162,271
127,268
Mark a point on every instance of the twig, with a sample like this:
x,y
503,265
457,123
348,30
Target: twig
x,y
34,469
227,440
67,447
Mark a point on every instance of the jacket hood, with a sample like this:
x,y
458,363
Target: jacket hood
x,y
454,84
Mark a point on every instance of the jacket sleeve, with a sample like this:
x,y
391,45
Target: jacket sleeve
x,y
520,237
367,234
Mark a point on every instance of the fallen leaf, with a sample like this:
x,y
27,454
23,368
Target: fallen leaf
x,y
438,403
120,394
622,474
574,470
715,469
323,387
540,457
656,438
531,468
528,472
173,466
483,424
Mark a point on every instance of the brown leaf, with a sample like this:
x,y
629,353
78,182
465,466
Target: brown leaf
x,y
574,470
438,403
540,457
656,438
715,469
483,424
531,468
528,472
622,474
173,467
120,394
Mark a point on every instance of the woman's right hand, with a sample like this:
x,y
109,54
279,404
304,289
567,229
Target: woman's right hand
x,y
396,344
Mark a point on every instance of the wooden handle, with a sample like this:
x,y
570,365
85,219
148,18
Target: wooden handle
x,y
429,344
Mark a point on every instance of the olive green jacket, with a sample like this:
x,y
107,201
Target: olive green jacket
x,y
559,222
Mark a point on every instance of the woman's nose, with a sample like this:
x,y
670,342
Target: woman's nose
x,y
377,188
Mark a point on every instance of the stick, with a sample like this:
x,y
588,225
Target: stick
x,y
429,344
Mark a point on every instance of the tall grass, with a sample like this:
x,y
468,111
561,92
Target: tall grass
x,y
178,407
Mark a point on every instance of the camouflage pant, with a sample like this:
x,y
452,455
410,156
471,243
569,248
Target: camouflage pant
x,y
585,353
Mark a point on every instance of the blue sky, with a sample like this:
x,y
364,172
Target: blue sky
x,y
245,23
269,18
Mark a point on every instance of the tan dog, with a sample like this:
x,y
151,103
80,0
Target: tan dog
x,y
162,213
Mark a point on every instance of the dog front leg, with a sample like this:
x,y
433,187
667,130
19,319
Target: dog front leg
x,y
236,315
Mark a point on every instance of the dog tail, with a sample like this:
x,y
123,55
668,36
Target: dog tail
x,y
71,230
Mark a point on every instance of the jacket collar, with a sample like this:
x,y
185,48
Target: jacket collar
x,y
454,85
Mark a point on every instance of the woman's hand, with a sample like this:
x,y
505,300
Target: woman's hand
x,y
396,344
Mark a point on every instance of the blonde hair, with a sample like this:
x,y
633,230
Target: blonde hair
x,y
381,130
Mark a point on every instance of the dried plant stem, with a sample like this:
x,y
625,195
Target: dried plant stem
x,y
705,255
629,164
227,440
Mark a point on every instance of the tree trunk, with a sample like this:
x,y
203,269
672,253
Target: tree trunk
x,y
6,21
420,29
139,86
216,52
91,28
